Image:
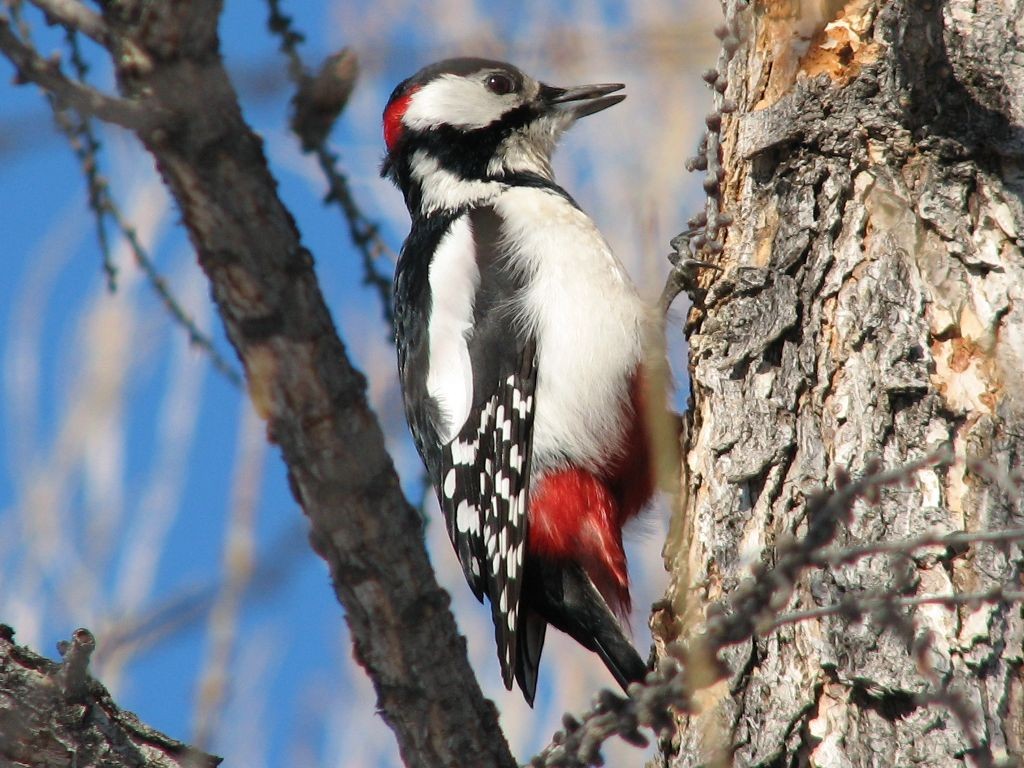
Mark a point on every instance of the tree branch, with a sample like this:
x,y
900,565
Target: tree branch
x,y
47,75
75,16
61,716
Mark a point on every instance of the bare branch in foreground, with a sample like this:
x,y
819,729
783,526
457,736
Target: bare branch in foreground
x,y
61,716
855,607
848,555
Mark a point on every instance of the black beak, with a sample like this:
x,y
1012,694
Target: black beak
x,y
582,100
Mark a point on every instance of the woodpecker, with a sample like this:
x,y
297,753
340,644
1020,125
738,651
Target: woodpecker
x,y
521,344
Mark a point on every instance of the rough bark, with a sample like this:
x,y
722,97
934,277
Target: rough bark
x,y
870,307
56,715
168,66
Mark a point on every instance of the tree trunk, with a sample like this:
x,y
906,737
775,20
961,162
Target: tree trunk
x,y
870,308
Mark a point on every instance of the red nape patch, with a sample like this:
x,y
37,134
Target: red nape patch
x,y
393,114
575,516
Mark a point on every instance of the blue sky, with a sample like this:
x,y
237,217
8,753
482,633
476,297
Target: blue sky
x,y
127,463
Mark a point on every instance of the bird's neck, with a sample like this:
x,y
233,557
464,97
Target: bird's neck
x,y
433,184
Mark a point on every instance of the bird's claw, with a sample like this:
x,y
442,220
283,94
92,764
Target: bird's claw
x,y
683,277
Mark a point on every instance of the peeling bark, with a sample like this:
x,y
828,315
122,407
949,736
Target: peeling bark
x,y
871,306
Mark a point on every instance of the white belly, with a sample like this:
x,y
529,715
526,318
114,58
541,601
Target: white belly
x,y
589,323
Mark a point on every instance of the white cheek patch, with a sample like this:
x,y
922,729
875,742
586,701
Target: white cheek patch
x,y
456,101
454,279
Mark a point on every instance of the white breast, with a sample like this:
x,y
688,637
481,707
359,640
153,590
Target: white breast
x,y
588,320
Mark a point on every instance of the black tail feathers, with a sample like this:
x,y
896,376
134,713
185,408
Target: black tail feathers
x,y
561,594
531,642
622,660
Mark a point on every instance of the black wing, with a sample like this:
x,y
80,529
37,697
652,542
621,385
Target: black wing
x,y
485,469
484,497
482,474
412,316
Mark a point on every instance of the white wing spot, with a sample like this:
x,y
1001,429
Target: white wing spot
x,y
514,460
463,452
449,484
485,415
465,519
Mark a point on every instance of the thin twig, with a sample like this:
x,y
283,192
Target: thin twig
x,y
75,125
86,147
281,25
364,232
75,16
848,555
855,606
708,228
711,220
159,284
32,67
194,603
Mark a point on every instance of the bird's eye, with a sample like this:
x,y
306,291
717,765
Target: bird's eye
x,y
500,84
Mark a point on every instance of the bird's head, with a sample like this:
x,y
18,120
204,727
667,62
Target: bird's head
x,y
475,121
